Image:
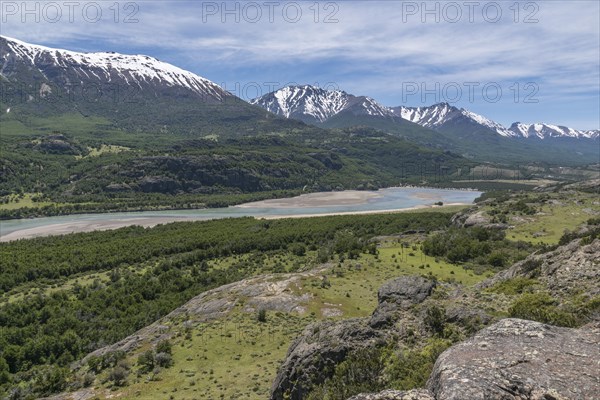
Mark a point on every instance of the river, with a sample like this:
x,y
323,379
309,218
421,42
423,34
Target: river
x,y
313,204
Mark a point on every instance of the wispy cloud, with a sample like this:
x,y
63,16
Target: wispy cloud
x,y
375,48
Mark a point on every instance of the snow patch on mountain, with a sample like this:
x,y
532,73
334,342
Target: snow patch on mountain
x,y
133,69
439,114
320,104
543,131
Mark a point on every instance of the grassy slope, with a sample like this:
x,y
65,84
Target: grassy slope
x,y
237,357
548,225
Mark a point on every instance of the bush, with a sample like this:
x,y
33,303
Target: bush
x,y
298,249
497,259
118,376
88,379
513,286
261,315
361,372
146,361
543,308
164,346
163,360
435,319
410,369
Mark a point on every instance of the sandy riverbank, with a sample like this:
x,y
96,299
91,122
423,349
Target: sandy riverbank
x,y
399,210
88,226
321,199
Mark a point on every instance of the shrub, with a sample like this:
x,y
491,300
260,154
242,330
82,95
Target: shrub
x,y
261,315
513,286
88,379
410,369
146,361
163,360
164,346
360,372
298,249
497,259
541,307
118,376
435,319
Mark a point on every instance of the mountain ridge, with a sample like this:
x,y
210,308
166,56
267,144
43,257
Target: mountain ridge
x,y
134,69
302,102
313,104
128,92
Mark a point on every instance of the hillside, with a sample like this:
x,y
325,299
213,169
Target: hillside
x,y
136,93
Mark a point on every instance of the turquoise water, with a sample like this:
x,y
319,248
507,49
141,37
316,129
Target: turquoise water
x,y
387,199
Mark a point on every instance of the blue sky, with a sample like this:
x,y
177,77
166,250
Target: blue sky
x,y
544,56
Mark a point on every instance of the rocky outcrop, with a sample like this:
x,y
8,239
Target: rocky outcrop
x,y
569,268
269,292
476,217
318,349
518,359
419,394
514,360
314,354
399,294
161,184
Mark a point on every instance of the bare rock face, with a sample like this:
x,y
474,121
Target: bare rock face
x,y
516,359
569,268
405,291
319,348
419,394
475,217
323,345
399,294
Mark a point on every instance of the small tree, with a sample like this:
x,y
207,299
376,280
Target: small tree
x,y
146,361
118,375
435,319
164,346
261,315
163,360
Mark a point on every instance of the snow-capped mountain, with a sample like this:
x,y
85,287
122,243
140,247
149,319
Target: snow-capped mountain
x,y
438,115
141,71
543,131
443,114
315,105
133,92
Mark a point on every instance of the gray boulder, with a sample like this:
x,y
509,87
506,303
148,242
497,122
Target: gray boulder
x,y
319,348
419,394
516,359
397,295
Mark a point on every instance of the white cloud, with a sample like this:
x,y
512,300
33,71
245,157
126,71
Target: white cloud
x,y
370,50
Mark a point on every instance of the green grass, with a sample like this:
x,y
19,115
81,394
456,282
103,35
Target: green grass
x,y
103,149
549,225
237,357
16,202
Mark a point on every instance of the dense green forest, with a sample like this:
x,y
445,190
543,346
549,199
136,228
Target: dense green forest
x,y
150,272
